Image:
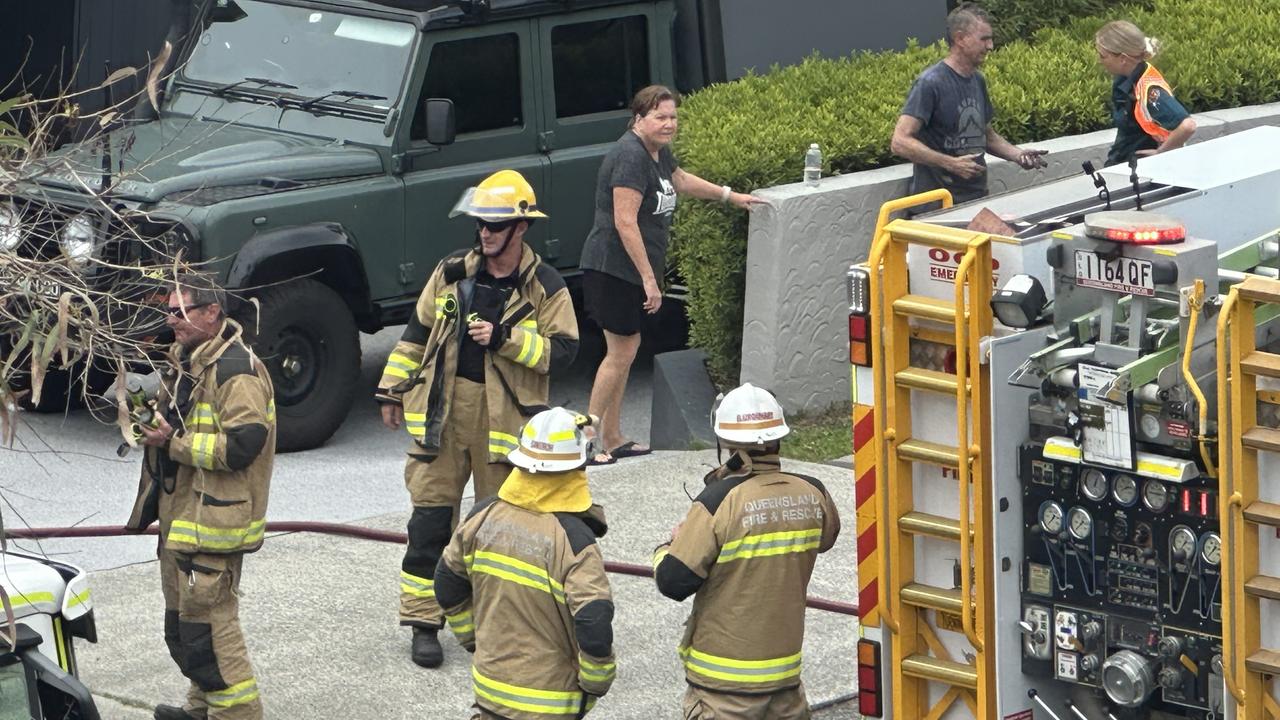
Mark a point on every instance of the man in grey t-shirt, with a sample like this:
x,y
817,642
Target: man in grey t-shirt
x,y
945,126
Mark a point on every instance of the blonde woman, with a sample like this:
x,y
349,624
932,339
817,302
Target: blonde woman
x,y
1148,118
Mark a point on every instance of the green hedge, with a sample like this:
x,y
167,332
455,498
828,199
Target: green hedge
x,y
1019,19
752,133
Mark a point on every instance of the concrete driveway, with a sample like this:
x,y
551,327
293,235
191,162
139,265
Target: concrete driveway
x,y
320,612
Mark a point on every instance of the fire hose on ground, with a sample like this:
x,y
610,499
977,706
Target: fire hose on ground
x,y
352,531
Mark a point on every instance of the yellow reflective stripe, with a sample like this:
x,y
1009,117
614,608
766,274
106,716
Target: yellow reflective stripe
x,y
744,671
416,424
658,555
525,344
439,307
400,366
185,531
514,570
500,442
60,643
463,622
238,694
20,599
202,449
529,324
596,672
533,700
531,349
78,599
202,414
770,544
562,435
417,586
271,411
539,345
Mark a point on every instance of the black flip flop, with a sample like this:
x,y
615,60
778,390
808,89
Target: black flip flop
x,y
628,449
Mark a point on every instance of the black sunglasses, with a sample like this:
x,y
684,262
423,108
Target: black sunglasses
x,y
180,310
495,227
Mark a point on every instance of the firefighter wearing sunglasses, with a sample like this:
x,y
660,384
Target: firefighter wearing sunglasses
x,y
472,366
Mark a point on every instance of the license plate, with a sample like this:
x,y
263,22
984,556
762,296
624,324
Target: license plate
x,y
14,283
1122,275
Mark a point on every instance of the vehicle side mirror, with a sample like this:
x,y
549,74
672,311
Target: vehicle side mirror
x,y
441,124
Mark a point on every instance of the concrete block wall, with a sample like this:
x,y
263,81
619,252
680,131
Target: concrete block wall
x,y
795,315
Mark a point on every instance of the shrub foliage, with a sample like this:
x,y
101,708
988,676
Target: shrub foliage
x,y
752,133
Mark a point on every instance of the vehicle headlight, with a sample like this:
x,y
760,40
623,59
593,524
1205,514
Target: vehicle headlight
x,y
10,227
77,239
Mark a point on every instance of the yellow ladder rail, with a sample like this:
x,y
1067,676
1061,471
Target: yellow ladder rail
x,y
1228,505
898,316
1248,666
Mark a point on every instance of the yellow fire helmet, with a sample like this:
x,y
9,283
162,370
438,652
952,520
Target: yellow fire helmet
x,y
504,195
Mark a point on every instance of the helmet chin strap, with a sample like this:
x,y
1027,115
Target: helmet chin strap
x,y
511,231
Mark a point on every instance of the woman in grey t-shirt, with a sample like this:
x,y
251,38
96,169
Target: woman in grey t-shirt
x,y
626,252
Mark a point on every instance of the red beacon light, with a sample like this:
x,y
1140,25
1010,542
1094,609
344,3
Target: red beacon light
x,y
1134,228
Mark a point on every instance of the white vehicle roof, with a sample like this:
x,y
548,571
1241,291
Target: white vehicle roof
x,y
35,585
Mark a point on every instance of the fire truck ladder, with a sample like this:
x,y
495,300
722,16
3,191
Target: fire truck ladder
x,y
1242,513
919,658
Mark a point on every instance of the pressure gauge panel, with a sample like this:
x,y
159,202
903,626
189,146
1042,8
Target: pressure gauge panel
x,y
1051,517
1124,489
1093,484
1080,523
1182,543
1155,496
1211,548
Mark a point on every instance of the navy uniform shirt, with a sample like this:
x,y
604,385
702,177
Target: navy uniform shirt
x,y
1130,137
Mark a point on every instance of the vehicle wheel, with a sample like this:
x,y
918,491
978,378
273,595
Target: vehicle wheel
x,y
309,342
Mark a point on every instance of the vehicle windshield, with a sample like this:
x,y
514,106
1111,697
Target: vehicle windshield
x,y
316,51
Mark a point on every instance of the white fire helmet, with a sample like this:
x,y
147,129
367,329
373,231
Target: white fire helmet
x,y
554,440
749,415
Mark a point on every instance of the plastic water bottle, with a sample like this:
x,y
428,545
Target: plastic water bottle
x,y
812,165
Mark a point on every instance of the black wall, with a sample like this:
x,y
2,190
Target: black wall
x,y
50,44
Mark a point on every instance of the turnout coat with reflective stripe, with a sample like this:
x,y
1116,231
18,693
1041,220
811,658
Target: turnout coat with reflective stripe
x,y
538,332
215,474
527,591
747,549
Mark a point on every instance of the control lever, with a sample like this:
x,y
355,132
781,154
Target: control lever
x,y
1036,697
1133,178
1098,182
1033,631
1076,711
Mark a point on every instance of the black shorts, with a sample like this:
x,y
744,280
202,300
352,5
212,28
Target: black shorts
x,y
613,303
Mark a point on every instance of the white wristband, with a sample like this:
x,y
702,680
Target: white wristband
x,y
725,192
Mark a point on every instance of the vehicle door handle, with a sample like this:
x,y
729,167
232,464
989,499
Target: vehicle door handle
x,y
546,141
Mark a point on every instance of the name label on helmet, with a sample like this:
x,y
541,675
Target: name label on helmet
x,y
539,445
749,417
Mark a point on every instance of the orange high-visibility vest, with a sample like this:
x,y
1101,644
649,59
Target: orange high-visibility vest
x,y
1151,79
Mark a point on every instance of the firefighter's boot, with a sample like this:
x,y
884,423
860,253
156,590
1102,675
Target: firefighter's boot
x,y
172,712
426,648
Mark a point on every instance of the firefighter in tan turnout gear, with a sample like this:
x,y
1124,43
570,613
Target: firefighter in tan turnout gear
x,y
470,368
746,551
205,477
523,582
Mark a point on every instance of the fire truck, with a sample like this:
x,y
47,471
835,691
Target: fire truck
x,y
45,605
1064,429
